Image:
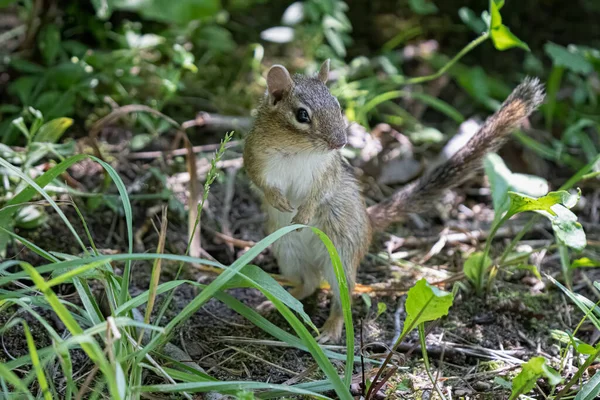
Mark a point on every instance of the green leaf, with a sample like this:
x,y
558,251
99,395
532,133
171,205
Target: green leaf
x,y
425,303
566,228
53,130
565,57
591,389
199,387
531,371
381,308
266,283
520,203
472,20
49,43
502,37
585,262
591,311
176,12
554,206
475,267
502,180
423,7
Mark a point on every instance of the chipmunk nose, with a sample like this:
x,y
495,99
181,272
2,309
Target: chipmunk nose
x,y
337,143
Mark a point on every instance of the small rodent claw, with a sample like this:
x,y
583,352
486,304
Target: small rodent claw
x,y
283,205
265,307
331,330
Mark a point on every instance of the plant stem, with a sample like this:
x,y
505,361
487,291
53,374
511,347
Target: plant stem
x,y
578,374
426,361
474,43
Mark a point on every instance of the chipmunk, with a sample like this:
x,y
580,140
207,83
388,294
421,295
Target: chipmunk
x,y
292,155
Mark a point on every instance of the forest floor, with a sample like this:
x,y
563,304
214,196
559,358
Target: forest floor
x,y
481,340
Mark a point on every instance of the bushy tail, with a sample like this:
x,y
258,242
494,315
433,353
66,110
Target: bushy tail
x,y
420,196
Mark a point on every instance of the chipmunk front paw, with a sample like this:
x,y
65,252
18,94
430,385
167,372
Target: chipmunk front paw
x,y
276,199
303,216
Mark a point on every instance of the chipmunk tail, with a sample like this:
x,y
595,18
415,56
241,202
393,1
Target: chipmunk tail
x,y
420,196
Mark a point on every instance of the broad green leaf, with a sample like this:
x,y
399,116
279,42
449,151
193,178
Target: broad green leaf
x,y
585,262
381,308
475,266
51,131
566,228
564,57
554,206
425,303
531,371
423,7
502,180
520,203
591,389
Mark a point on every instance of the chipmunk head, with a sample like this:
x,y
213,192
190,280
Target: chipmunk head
x,y
302,107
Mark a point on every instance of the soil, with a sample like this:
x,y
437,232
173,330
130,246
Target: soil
x,y
480,340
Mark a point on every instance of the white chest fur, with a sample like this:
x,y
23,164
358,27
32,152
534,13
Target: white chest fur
x,y
295,174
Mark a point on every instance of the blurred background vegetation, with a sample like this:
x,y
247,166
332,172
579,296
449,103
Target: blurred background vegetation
x,y
68,67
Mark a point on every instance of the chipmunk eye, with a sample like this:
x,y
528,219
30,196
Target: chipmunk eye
x,y
302,116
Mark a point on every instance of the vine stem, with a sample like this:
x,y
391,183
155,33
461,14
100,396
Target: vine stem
x,y
474,43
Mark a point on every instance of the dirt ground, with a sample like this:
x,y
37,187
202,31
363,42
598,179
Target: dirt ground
x,y
480,340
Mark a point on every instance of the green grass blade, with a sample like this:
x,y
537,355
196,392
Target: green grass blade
x,y
14,380
92,349
35,362
233,386
124,295
41,191
345,300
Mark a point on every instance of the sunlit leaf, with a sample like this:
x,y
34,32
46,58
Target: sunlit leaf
x,y
503,180
585,262
554,206
53,130
425,303
502,37
278,34
531,371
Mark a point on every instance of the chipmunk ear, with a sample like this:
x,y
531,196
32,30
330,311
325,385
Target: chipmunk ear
x,y
279,82
324,71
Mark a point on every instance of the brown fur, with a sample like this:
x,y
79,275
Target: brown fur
x,y
303,178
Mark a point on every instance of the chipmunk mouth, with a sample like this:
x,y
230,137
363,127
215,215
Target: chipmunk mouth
x,y
337,143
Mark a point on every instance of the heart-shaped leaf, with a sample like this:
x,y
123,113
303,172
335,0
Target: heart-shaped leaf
x,y
554,206
425,303
503,180
531,371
